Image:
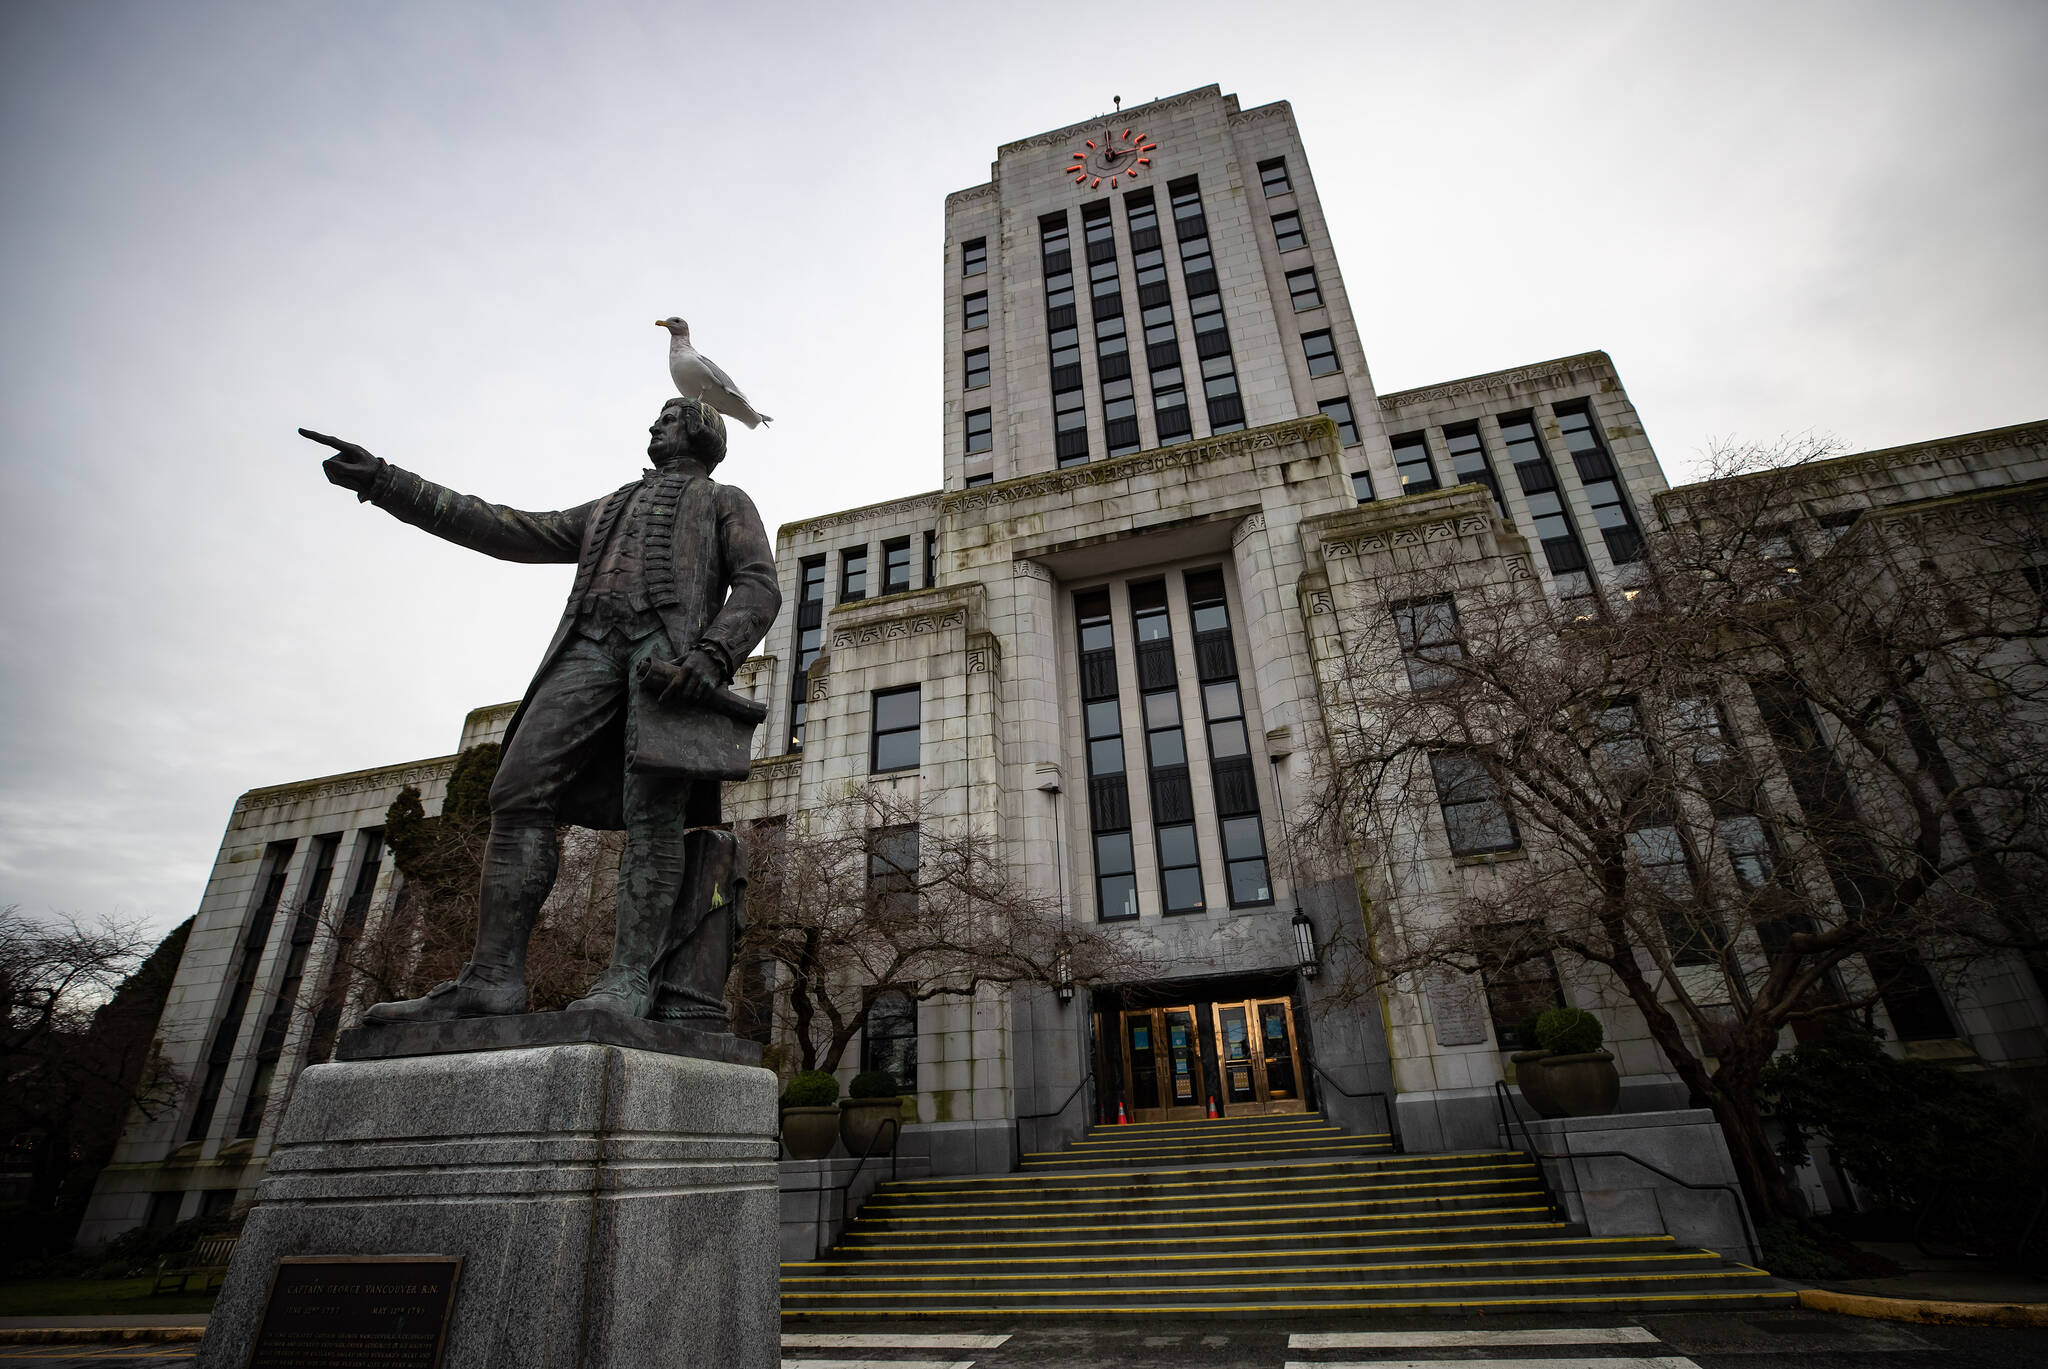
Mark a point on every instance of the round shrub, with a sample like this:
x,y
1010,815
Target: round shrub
x,y
1569,1031
811,1089
873,1084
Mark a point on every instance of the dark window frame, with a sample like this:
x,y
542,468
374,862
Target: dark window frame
x,y
974,312
1460,793
974,257
974,362
877,734
1287,226
1275,185
1312,356
891,582
1314,292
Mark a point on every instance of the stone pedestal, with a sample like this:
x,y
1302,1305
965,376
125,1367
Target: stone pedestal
x,y
613,1205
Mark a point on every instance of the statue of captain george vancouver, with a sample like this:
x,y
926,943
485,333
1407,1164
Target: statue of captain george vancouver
x,y
627,724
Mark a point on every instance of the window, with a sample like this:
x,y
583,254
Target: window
x,y
1412,464
895,728
1244,861
980,431
1697,726
1602,482
1911,999
1428,629
1521,980
1475,818
896,565
285,997
977,368
248,954
1663,866
1748,844
888,1038
1361,486
369,859
810,636
1105,726
892,872
1468,459
974,311
1347,426
974,257
1538,479
853,575
1273,176
1301,288
1287,231
1320,351
1234,782
1116,880
983,479
1109,804
1180,869
1621,746
1063,338
931,559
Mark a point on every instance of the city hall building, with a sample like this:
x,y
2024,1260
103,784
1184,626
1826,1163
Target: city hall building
x,y
1166,475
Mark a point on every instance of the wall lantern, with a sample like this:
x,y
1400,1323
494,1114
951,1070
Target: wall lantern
x,y
1063,972
1305,944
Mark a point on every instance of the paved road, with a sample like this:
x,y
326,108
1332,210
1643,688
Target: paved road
x,y
1753,1340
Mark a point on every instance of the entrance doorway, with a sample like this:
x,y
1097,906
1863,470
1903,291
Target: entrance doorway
x,y
1244,1054
1162,1063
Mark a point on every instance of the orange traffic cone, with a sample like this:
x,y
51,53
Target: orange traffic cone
x,y
1121,1120
1212,1106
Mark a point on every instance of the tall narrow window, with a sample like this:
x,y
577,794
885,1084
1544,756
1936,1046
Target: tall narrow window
x,y
248,955
1273,177
1302,291
1361,487
1205,308
1109,804
977,367
1233,781
896,565
892,873
1063,340
285,1003
809,634
1521,980
1468,459
931,559
889,1037
1320,351
1475,818
1155,318
1287,231
1538,479
1412,464
1340,411
853,575
1112,352
895,730
974,311
1166,751
974,257
1601,481
1430,644
369,859
980,431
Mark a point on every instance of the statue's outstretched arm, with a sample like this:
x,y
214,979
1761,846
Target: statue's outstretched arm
x,y
493,529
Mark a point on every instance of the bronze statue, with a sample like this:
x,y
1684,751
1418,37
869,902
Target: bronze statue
x,y
628,723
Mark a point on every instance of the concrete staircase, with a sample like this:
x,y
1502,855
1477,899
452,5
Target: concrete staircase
x,y
1261,1217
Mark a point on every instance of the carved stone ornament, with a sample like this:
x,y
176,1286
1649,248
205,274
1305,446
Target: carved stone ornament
x,y
1543,373
1455,1010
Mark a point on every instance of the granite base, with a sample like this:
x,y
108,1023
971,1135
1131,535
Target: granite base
x,y
612,1207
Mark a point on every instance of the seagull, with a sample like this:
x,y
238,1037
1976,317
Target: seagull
x,y
697,376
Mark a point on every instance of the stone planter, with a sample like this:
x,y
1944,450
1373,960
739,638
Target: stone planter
x,y
1581,1085
808,1133
1534,1084
861,1124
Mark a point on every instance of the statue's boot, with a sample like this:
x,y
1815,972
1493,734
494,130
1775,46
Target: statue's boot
x,y
650,870
519,869
709,917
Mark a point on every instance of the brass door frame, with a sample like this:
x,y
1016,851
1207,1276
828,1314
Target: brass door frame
x,y
1262,1101
1162,1058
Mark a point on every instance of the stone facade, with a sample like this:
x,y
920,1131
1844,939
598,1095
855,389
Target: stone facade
x,y
1536,476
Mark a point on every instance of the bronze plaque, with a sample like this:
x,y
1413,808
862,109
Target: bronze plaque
x,y
357,1311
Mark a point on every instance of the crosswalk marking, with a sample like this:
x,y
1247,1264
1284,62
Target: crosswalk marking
x,y
1403,1340
830,1341
1548,1362
877,1364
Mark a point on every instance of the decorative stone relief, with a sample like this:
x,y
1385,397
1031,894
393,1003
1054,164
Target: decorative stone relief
x,y
347,784
1255,523
1128,467
1455,1009
1499,380
869,633
821,687
1030,570
873,513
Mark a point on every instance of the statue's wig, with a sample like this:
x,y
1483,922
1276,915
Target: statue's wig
x,y
707,443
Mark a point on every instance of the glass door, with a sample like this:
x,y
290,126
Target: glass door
x,y
1261,1064
1162,1065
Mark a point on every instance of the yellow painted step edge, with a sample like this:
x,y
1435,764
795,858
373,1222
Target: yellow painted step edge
x,y
1326,1270
1281,1308
1386,1162
1216,1240
1129,1201
1270,1254
1548,1281
1168,1226
1240,1208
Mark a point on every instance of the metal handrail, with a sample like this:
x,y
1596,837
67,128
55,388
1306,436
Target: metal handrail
x,y
1511,1121
1574,1156
1017,1122
895,1125
1386,1108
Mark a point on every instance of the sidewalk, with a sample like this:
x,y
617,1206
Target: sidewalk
x,y
1953,1292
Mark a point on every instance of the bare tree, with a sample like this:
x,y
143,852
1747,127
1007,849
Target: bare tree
x,y
876,892
1797,761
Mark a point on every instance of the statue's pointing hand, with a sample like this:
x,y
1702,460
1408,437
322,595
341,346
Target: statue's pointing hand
x,y
350,467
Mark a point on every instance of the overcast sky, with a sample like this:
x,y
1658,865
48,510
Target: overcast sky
x,y
444,230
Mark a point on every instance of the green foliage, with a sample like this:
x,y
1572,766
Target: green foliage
x,y
1895,1126
811,1089
1792,1250
873,1084
1569,1031
469,784
405,829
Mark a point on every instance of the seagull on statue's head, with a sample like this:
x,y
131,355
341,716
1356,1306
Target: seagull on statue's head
x,y
698,377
